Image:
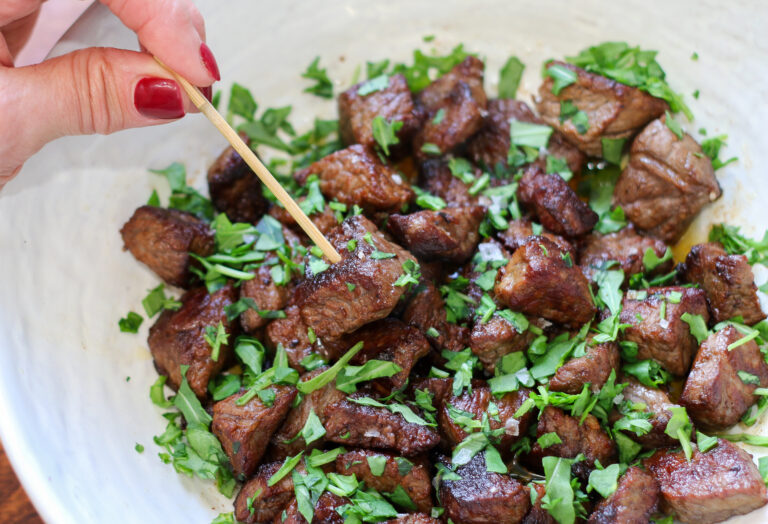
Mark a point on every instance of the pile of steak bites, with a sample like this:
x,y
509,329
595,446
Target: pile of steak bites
x,y
510,353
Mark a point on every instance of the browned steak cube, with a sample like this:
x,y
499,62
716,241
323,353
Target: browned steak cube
x,y
235,189
586,437
426,310
292,333
539,282
634,501
626,247
324,221
461,97
558,206
286,441
494,339
359,289
519,230
326,511
483,497
177,338
655,325
413,518
163,238
394,103
537,514
666,183
490,146
356,175
413,477
593,368
715,395
244,431
727,280
477,403
266,502
657,405
449,235
266,294
711,487
436,178
614,110
352,424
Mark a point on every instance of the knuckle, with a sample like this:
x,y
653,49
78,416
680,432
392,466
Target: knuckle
x,y
97,95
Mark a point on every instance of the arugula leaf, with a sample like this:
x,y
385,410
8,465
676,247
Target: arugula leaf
x,y
308,386
735,243
130,323
562,77
189,405
241,103
349,376
604,481
509,77
679,427
376,464
215,337
251,353
385,132
558,500
287,467
527,134
323,86
224,386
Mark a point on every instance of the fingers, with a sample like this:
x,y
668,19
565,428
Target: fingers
x,y
12,10
172,30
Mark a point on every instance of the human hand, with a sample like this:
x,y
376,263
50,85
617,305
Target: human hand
x,y
98,90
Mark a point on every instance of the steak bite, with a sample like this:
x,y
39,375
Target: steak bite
x,y
414,478
537,514
266,294
352,424
626,247
460,95
356,176
519,230
657,406
727,280
450,235
490,146
244,431
539,282
666,183
257,501
426,311
436,178
413,518
711,487
235,189
163,239
326,511
636,498
557,206
481,496
593,368
715,395
359,289
325,220
393,103
614,110
292,334
655,325
492,340
177,338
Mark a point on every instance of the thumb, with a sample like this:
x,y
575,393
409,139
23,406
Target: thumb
x,y
97,90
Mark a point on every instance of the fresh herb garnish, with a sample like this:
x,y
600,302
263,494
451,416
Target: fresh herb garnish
x,y
323,86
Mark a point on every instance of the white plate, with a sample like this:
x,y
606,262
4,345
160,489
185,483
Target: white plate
x,y
68,416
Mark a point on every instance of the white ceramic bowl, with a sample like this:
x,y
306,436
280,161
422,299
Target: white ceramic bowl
x,y
69,416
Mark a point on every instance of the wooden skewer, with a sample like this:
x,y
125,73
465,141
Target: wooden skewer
x,y
254,163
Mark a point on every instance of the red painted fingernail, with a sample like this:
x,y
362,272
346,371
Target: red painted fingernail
x,y
158,98
209,61
207,92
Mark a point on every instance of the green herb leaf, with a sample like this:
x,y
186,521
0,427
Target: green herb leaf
x,y
548,439
156,301
735,243
705,443
313,429
156,393
679,427
431,149
612,149
187,402
562,77
711,147
215,337
378,83
287,467
130,323
376,464
385,132
349,376
323,86
674,126
748,378
427,200
308,386
604,481
527,134
509,77
648,372
558,500
241,103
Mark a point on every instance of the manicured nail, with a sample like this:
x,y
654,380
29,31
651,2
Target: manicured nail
x,y
158,98
209,61
207,92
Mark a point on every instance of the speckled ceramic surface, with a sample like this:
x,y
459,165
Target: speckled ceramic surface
x,y
69,416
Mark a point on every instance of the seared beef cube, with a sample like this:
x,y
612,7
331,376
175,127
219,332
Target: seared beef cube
x,y
715,395
352,424
413,518
538,281
436,178
492,340
614,110
394,103
626,247
163,239
413,477
657,405
558,206
519,230
324,221
537,514
178,338
266,294
235,189
286,441
266,502
244,431
712,486
727,280
426,311
460,95
483,497
490,146
586,437
593,368
636,498
359,289
666,183
292,333
449,235
655,325
477,403
326,511
356,175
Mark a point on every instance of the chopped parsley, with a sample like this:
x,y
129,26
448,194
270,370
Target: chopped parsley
x,y
735,243
509,77
385,133
130,323
562,77
156,301
323,86
377,83
527,134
